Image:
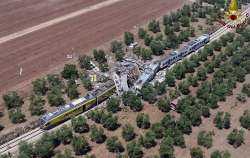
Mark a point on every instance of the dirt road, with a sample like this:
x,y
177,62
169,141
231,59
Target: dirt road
x,y
46,49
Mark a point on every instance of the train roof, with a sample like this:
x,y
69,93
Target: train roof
x,y
75,103
148,72
200,38
66,107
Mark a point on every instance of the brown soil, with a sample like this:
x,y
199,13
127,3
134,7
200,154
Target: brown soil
x,y
236,110
38,57
18,15
45,50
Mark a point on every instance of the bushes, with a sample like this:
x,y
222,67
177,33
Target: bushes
x,y
141,33
16,115
128,38
54,80
167,148
134,150
196,153
80,125
236,137
157,47
45,146
128,132
70,72
111,123
170,79
113,105
106,119
148,140
97,134
142,121
25,150
71,90
132,100
36,105
12,100
246,89
158,130
184,87
114,145
148,93
205,139
220,154
55,97
245,119
39,86
80,145
241,97
64,134
222,120
154,26
86,81
100,56
164,104
66,154
84,62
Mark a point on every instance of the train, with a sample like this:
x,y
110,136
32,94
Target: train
x,y
93,98
152,69
78,106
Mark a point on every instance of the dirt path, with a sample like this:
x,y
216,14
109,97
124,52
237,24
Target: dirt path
x,y
56,21
16,15
45,50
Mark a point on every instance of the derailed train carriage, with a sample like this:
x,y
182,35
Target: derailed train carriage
x,y
92,99
186,50
78,106
175,56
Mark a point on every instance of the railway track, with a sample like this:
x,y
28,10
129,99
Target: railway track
x,y
13,143
32,136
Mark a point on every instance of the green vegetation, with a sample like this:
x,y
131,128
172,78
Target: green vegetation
x,y
12,100
220,154
85,62
114,145
236,137
148,140
71,90
132,100
86,81
80,124
80,145
164,104
70,72
65,134
113,105
55,97
134,150
128,132
142,121
205,139
128,38
39,86
196,152
16,115
148,93
222,120
245,120
97,134
36,105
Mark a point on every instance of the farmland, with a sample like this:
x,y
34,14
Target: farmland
x,y
212,89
